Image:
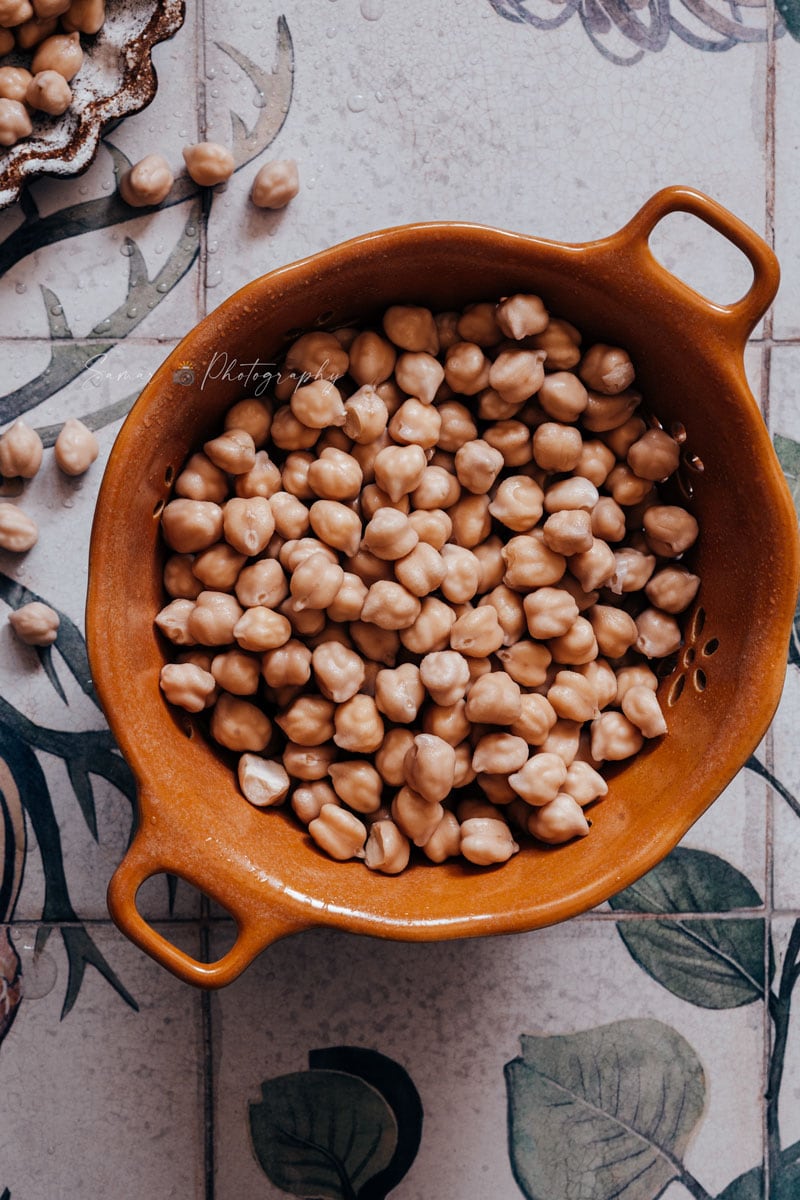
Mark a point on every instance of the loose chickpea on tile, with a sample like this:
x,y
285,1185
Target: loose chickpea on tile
x,y
209,163
276,184
76,447
21,451
35,623
147,183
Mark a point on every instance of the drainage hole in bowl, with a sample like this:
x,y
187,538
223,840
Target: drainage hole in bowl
x,y
711,647
158,508
688,656
666,666
324,317
169,475
698,621
695,463
699,680
678,431
188,730
676,691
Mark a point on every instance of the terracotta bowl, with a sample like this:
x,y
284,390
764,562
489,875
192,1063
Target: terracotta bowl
x,y
719,699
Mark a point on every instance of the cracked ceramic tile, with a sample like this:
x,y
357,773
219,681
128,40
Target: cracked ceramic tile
x,y
105,1100
787,182
451,1016
387,130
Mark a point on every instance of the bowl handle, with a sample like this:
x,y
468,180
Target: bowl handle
x,y
254,933
735,321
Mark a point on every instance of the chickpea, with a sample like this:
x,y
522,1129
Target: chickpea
x,y
213,617
264,479
526,662
658,634
399,693
448,721
575,647
655,455
400,469
21,451
239,725
561,343
606,369
389,536
520,315
339,833
390,606
387,848
260,629
7,41
584,784
335,475
338,670
368,567
264,782
571,494
540,779
472,522
557,447
372,359
549,612
422,570
147,183
606,413
568,532
85,16
276,184
530,563
61,53
252,415
614,737
76,448
510,612
358,725
417,817
559,821
233,451
608,520
307,801
457,427
620,439
35,623
635,676
50,93
477,466
466,368
173,622
490,556
263,583
632,572
595,462
517,374
248,524
478,324
236,672
218,567
288,665
209,163
563,396
602,679
305,622
315,582
437,489
432,526
419,374
573,697
518,503
477,633
336,525
672,589
499,754
670,530
187,686
357,784
348,602
14,83
289,514
308,720
296,467
614,629
445,841
201,480
485,841
494,698
641,707
429,767
594,567
411,328
627,488
390,756
445,676
377,645
512,439
462,574
289,433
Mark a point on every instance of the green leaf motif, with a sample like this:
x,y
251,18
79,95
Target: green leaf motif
x,y
604,1113
711,962
790,11
787,450
322,1134
750,1186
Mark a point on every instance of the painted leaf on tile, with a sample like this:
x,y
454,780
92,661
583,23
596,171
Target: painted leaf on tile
x,y
787,450
712,962
790,11
397,1089
750,1186
322,1134
605,1112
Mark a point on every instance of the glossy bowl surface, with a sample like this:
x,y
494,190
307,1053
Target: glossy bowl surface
x,y
117,78
689,355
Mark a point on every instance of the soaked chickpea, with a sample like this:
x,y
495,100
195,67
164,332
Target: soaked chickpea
x,y
428,591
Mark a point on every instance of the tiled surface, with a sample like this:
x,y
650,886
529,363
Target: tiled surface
x,y
119,1081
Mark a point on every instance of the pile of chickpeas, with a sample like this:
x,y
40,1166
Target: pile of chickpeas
x,y
421,588
50,31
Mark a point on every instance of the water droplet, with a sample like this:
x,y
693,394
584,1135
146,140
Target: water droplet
x,y
211,73
357,102
133,311
103,326
258,24
331,31
20,289
380,97
214,278
159,247
215,92
57,310
191,231
372,10
83,190
212,247
260,100
106,185
127,249
39,971
69,502
162,287
183,133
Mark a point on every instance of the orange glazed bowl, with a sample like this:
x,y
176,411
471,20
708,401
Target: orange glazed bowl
x,y
718,700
